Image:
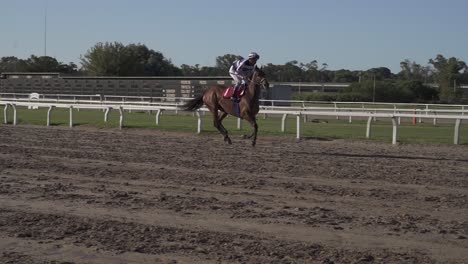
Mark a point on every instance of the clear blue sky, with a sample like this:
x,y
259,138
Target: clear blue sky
x,y
349,34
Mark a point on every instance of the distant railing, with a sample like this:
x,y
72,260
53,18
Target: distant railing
x,y
97,98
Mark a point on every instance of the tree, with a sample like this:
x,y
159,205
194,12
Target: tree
x,y
357,92
312,72
116,59
36,64
464,76
223,63
420,92
381,73
289,72
188,70
313,65
385,91
70,68
157,65
413,71
446,73
12,64
107,59
345,76
151,63
42,64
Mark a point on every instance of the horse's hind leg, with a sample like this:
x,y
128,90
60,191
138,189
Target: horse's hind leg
x,y
223,115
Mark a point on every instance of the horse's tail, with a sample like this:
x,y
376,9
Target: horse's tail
x,y
194,104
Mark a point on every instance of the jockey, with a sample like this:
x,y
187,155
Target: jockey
x,y
242,70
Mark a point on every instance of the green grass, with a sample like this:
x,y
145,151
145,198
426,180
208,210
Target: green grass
x,y
323,128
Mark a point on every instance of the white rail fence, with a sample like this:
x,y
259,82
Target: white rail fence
x,y
175,102
371,114
111,99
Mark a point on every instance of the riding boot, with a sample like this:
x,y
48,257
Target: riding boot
x,y
234,93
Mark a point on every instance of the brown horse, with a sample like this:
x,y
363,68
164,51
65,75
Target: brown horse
x,y
248,105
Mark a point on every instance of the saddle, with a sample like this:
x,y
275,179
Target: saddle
x,y
228,92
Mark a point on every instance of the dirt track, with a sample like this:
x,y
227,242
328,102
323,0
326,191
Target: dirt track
x,y
142,196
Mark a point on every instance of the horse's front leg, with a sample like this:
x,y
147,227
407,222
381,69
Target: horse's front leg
x,y
217,123
253,123
254,138
223,131
249,136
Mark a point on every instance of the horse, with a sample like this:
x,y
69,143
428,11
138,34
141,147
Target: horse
x,y
247,107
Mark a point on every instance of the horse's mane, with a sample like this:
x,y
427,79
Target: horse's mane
x,y
260,72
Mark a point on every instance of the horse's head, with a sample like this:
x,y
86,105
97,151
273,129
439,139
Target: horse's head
x,y
259,78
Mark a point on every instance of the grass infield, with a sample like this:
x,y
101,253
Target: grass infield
x,y
321,127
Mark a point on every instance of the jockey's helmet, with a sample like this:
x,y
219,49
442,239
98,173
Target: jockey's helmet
x,y
254,55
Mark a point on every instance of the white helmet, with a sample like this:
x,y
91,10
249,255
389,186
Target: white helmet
x,y
254,55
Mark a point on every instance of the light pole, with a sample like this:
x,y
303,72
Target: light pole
x,y
373,92
45,28
300,86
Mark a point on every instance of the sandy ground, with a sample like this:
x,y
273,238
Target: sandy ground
x,y
87,195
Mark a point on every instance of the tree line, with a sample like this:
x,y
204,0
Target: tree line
x,y
414,82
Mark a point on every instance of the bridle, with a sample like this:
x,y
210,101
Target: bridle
x,y
261,81
264,83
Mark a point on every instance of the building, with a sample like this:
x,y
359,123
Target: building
x,y
156,87
54,83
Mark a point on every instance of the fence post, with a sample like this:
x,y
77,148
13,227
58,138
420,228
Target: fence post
x,y
71,116
395,131
199,122
15,115
368,130
158,114
298,126
283,123
239,124
456,135
48,114
5,114
122,116
106,114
